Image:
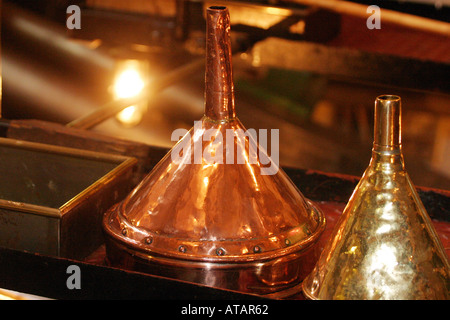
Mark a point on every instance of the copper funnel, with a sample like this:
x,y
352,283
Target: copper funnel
x,y
384,246
197,217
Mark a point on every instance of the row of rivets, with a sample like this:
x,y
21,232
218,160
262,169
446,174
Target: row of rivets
x,y
219,251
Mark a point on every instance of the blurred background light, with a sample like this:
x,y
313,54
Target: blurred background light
x,y
131,78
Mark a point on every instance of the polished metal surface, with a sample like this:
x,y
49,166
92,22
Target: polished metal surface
x,y
217,219
219,86
384,246
209,207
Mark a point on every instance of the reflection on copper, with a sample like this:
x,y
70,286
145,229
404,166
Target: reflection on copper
x,y
384,246
209,221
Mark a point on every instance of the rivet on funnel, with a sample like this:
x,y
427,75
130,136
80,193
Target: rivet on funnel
x,y
216,217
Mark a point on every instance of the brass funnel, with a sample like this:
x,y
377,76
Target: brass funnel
x,y
384,246
216,210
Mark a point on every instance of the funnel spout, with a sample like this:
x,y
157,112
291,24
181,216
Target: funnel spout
x,y
387,131
219,90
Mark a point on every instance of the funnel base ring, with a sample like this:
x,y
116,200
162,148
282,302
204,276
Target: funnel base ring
x,y
278,278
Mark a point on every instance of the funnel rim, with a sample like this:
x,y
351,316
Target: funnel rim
x,y
217,8
389,97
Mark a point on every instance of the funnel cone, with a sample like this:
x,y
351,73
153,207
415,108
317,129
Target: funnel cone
x,y
384,246
217,210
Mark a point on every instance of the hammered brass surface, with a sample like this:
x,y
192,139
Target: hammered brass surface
x,y
384,246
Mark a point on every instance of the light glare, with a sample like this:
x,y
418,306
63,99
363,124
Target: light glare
x,y
128,84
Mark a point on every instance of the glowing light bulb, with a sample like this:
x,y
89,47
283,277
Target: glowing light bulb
x,y
129,83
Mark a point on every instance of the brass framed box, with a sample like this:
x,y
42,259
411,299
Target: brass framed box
x,y
52,198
